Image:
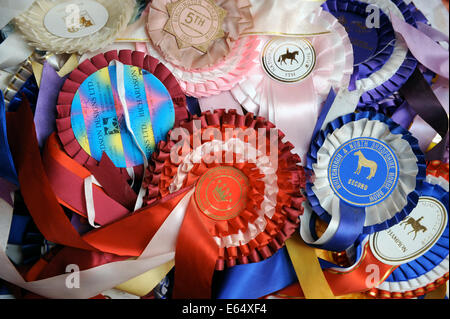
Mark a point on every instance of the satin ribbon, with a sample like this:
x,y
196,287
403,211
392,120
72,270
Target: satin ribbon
x,y
344,228
251,281
287,18
424,102
425,50
67,177
7,168
95,280
45,115
308,270
14,50
13,8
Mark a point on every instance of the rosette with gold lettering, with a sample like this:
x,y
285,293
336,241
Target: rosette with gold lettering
x,y
293,76
382,62
197,33
419,244
96,99
74,26
243,184
366,172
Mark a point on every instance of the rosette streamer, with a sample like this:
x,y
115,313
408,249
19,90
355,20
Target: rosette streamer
x,y
288,88
86,26
365,174
256,222
394,71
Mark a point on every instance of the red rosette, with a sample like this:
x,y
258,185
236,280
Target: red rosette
x,y
90,66
242,177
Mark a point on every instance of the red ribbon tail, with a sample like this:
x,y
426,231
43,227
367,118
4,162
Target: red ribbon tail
x,y
195,257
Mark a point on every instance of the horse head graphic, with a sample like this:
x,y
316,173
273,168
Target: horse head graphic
x,y
364,162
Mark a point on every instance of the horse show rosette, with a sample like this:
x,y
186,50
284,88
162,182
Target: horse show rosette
x,y
382,61
87,122
218,78
419,244
195,34
293,77
74,26
242,209
224,149
365,174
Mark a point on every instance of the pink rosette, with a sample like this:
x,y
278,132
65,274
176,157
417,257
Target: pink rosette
x,y
294,106
238,18
223,76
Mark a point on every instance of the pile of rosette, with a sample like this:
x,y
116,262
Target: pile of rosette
x,y
217,149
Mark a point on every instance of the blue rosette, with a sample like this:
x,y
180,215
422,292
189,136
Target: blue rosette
x,y
425,236
377,51
364,174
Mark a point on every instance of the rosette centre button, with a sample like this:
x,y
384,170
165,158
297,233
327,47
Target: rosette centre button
x,y
221,192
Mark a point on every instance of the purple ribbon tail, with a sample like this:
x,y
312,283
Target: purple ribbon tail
x,y
45,114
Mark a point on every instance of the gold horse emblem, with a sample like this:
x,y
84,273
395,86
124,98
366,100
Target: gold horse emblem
x,y
415,224
364,162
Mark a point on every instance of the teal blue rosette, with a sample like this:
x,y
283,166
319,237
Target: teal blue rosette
x,y
364,175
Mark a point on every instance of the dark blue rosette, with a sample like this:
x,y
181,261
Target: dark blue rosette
x,y
375,47
378,191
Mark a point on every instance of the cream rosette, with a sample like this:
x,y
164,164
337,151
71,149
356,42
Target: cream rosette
x,y
365,170
70,26
294,75
177,34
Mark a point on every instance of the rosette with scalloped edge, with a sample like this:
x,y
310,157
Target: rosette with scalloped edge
x,y
237,19
33,27
430,270
270,210
411,166
222,76
382,74
88,67
277,100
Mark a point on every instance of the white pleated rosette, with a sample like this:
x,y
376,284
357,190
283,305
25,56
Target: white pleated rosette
x,y
260,94
384,210
397,58
31,24
220,77
410,280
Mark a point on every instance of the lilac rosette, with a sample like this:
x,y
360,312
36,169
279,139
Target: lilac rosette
x,y
364,174
382,60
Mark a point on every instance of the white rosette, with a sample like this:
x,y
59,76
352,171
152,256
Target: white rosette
x,y
31,24
419,285
384,210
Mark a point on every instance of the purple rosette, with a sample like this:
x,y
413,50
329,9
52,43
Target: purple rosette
x,y
374,47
